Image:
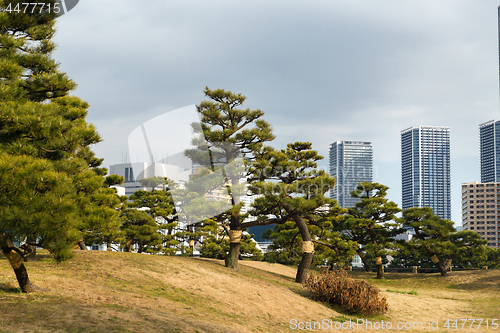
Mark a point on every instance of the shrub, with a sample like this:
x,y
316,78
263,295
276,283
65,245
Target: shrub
x,y
353,296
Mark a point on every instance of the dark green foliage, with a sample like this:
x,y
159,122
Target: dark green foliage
x,y
406,256
218,249
292,189
113,180
280,257
37,200
140,229
161,208
468,250
353,296
370,256
39,120
437,237
371,221
492,258
286,246
227,134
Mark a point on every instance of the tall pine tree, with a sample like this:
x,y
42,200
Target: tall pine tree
x,y
291,188
46,165
229,133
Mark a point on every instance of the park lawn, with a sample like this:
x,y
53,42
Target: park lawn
x,y
126,292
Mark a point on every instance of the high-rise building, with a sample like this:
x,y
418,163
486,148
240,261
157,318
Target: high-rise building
x,y
479,210
489,151
351,162
425,169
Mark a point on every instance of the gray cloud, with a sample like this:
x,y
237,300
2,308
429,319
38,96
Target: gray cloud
x,y
321,70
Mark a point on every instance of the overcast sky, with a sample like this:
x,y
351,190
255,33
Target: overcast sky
x,y
321,71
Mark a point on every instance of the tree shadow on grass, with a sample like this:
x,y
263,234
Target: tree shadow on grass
x,y
7,288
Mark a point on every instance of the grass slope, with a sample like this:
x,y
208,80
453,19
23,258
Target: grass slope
x,y
124,292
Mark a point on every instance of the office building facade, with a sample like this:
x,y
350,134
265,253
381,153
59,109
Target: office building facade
x,y
479,210
489,151
351,162
425,169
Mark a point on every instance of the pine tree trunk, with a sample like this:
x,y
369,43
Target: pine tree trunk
x,y
16,262
30,249
304,266
436,261
380,267
441,268
231,260
108,246
307,250
366,264
447,265
82,245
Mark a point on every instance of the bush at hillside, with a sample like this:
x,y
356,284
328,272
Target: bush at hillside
x,y
353,296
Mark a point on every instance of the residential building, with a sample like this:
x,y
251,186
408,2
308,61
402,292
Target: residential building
x,y
479,210
489,151
351,162
425,169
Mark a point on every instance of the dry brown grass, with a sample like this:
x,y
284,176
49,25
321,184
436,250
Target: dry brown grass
x,y
352,295
124,292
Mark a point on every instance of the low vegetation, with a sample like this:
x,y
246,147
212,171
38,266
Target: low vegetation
x,y
353,296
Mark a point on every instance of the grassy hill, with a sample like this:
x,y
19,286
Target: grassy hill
x,y
125,292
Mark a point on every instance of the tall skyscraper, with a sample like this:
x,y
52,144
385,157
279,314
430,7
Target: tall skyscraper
x,y
425,168
489,151
351,162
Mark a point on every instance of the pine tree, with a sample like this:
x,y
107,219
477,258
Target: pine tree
x,y
431,232
229,133
161,208
438,238
291,188
374,215
48,169
139,228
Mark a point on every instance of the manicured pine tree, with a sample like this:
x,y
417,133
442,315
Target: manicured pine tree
x,y
291,188
375,214
438,237
44,142
468,248
101,221
140,228
228,134
351,231
333,247
161,207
